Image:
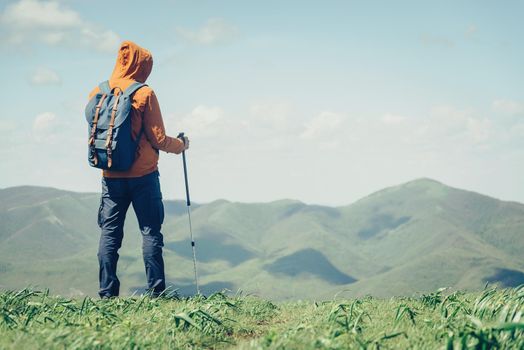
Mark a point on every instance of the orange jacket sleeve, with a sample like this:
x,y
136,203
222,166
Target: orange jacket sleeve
x,y
154,128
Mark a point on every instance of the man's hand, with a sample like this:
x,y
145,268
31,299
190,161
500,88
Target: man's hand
x,y
185,139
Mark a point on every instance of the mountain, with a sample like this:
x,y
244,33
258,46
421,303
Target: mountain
x,y
411,238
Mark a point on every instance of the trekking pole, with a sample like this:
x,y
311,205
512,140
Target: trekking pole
x,y
188,205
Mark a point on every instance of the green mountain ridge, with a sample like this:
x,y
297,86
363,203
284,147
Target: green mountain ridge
x,y
415,237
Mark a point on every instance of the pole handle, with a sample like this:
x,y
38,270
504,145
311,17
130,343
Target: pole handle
x,y
188,200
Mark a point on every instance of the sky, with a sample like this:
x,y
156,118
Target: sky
x,y
319,101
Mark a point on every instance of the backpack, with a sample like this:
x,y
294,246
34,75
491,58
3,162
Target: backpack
x,y
108,113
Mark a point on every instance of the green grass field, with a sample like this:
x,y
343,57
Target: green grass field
x,y
491,319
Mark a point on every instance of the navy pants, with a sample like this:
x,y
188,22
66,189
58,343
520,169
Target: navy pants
x,y
117,194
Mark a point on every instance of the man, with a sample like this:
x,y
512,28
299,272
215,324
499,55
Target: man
x,y
139,185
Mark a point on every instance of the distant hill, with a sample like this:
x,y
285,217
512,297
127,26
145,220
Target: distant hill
x,y
415,237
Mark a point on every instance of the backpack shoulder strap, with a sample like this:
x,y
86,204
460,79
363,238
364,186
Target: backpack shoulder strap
x,y
133,88
104,87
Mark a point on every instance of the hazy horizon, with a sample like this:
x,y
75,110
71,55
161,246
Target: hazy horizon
x,y
182,199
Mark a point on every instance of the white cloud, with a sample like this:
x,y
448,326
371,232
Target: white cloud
x,y
7,125
449,117
51,23
448,128
45,127
323,125
517,132
202,121
39,15
216,30
391,119
45,76
479,130
444,129
506,106
101,40
275,116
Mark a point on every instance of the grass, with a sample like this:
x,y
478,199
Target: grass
x,y
491,319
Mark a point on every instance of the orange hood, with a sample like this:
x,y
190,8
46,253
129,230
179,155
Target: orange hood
x,y
133,63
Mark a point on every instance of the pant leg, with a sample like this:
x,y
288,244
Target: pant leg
x,y
147,203
111,215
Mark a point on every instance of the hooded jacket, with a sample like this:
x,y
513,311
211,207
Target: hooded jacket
x,y
134,63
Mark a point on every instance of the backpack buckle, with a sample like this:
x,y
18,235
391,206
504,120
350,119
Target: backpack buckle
x,y
109,157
